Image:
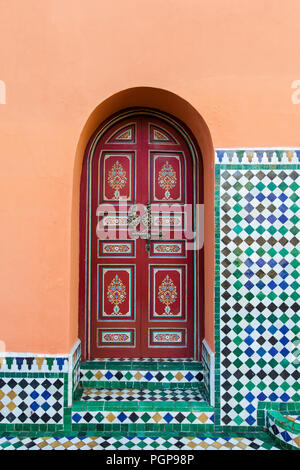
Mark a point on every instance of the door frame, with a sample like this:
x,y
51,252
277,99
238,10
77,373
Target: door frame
x,y
85,226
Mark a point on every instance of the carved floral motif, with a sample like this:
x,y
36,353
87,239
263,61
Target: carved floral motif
x,y
115,338
167,338
116,293
116,248
117,178
164,248
167,293
167,178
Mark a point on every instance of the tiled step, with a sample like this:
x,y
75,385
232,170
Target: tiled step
x,y
130,443
142,373
285,428
191,397
142,410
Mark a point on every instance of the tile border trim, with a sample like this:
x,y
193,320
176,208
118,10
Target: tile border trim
x,y
257,155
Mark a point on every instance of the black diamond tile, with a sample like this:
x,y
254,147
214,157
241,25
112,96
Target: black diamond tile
x,y
133,417
34,417
119,375
88,417
23,395
57,406
12,383
179,417
45,418
57,396
57,418
46,384
159,376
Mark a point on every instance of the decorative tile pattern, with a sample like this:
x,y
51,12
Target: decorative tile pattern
x,y
76,353
259,288
135,443
294,419
284,428
33,401
96,394
36,389
142,373
76,358
208,372
146,359
145,376
257,156
32,364
143,417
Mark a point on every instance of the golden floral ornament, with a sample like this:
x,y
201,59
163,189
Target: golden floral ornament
x,y
116,248
117,178
126,135
160,136
167,178
167,293
116,293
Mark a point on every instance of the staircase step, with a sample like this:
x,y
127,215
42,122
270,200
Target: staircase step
x,y
135,399
91,394
145,363
142,373
141,396
145,410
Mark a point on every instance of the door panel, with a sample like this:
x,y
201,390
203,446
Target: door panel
x,y
142,291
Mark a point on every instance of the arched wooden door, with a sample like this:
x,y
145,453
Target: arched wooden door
x,y
142,279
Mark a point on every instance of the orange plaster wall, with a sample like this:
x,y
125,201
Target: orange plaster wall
x,y
233,61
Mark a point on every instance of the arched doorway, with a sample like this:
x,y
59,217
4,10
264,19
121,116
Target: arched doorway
x,y
141,286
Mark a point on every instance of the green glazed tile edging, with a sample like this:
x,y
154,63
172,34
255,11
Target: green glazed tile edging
x,y
134,441
289,407
84,430
140,365
281,444
283,430
284,422
138,385
217,297
140,406
145,428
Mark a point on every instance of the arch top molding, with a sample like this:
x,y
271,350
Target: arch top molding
x,y
169,103
155,98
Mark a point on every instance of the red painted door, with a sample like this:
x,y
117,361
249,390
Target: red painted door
x,y
141,291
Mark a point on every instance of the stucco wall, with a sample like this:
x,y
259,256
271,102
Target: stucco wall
x,y
234,61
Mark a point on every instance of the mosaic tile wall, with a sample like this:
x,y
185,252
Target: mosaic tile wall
x,y
117,442
208,372
257,281
136,378
76,358
285,429
35,390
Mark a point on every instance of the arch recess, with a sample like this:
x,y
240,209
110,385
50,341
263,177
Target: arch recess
x,y
169,103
